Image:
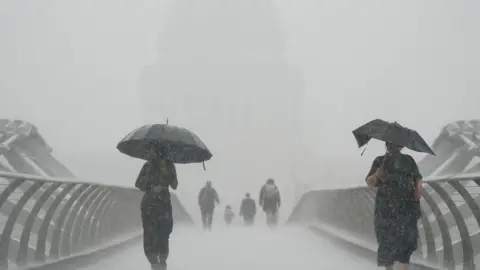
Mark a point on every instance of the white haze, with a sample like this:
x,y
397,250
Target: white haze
x,y
72,69
239,248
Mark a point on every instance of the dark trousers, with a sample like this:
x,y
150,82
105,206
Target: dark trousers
x,y
248,220
157,227
270,205
228,220
207,218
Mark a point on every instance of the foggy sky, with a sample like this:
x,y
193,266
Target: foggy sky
x,y
72,69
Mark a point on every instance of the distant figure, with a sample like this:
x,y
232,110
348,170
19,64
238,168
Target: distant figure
x,y
248,209
154,179
207,198
228,215
270,200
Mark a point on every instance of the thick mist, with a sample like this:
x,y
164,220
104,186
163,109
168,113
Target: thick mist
x,y
238,248
75,70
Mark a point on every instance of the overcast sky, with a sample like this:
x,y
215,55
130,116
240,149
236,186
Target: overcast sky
x,y
72,68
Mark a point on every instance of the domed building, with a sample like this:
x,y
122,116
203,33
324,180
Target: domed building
x,y
222,72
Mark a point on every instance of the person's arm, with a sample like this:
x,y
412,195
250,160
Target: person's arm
x,y
372,179
200,194
173,180
417,178
217,199
279,197
260,196
242,207
143,182
418,189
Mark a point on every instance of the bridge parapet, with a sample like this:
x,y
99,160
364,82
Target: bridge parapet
x,y
67,218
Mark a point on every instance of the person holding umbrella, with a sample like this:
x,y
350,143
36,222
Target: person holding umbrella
x,y
161,145
154,179
399,182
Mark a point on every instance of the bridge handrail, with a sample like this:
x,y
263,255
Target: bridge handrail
x,y
48,179
439,179
48,219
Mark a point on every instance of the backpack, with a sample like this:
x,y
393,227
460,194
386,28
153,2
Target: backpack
x,y
270,192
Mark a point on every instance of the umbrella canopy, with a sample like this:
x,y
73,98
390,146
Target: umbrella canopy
x,y
177,144
391,132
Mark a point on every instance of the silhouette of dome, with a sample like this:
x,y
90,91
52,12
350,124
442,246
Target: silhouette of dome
x,y
222,64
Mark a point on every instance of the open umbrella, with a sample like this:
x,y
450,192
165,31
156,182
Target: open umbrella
x,y
391,132
180,145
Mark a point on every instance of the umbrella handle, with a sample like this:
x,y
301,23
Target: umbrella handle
x,y
203,163
365,148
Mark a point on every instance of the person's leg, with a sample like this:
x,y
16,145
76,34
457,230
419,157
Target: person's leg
x,y
210,219
149,238
410,239
274,215
269,218
165,229
269,209
404,260
383,233
204,218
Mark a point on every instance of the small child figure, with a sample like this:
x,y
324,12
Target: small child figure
x,y
228,215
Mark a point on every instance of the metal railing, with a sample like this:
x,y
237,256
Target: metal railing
x,y
449,226
46,219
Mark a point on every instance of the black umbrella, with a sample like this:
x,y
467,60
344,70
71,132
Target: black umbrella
x,y
391,132
178,144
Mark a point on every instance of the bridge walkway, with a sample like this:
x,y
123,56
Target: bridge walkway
x,y
239,248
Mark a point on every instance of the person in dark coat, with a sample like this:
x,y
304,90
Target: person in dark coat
x,y
270,200
248,209
207,198
154,179
397,206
